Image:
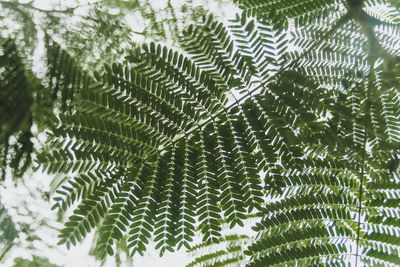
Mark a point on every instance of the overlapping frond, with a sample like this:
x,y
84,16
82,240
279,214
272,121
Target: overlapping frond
x,y
171,141
160,130
335,48
330,203
315,220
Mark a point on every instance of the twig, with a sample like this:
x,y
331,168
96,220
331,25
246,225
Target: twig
x,y
30,6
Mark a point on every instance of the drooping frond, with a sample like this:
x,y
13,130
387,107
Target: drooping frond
x,y
25,102
15,111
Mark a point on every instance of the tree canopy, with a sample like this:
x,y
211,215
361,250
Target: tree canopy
x,y
288,113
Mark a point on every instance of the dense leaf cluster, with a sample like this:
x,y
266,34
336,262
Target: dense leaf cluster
x,y
15,119
291,111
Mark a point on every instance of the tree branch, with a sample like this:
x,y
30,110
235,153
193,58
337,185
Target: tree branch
x,y
29,5
367,24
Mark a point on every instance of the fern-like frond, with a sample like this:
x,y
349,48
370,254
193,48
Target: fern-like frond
x,y
169,114
172,140
334,194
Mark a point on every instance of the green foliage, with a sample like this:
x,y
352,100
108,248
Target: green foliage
x,y
328,195
15,109
93,39
163,143
65,77
21,14
227,251
169,141
172,149
35,262
121,250
7,232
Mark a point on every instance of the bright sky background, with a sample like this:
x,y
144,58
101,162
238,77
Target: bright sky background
x,y
26,205
16,198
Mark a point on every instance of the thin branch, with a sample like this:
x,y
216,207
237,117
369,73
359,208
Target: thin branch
x,y
30,6
367,111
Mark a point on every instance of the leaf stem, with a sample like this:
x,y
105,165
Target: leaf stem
x,y
366,118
